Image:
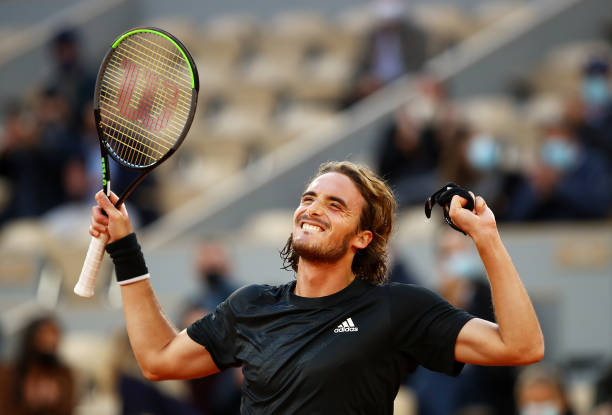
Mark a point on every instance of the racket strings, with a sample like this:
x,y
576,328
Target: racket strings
x,y
174,66
135,128
134,151
162,72
145,98
122,129
113,95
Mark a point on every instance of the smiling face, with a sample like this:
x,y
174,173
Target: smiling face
x,y
345,214
326,223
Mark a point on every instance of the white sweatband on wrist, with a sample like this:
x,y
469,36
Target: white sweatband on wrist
x,y
135,279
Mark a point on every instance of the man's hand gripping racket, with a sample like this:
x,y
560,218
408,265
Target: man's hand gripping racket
x,y
144,103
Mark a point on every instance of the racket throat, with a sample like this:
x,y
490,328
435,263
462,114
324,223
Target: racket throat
x,y
130,188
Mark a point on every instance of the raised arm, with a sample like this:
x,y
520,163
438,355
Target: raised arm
x,y
517,338
161,352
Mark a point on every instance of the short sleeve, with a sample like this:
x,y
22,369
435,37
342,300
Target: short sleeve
x,y
217,332
426,327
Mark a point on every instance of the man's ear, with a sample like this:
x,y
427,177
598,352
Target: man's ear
x,y
362,239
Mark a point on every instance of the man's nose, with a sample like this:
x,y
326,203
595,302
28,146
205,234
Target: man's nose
x,y
314,209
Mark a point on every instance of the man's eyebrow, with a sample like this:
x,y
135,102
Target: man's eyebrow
x,y
309,193
339,200
334,198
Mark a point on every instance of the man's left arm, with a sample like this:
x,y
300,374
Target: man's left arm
x,y
517,338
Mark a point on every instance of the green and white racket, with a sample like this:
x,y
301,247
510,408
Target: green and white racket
x,y
144,103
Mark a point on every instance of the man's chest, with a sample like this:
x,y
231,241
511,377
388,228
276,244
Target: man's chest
x,y
289,345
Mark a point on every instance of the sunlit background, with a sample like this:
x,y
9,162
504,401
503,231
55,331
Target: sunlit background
x,y
512,99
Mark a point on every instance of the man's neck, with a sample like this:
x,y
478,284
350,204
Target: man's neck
x,y
319,279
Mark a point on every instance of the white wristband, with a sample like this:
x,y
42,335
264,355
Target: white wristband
x,y
135,279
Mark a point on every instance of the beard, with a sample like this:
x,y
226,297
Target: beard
x,y
319,253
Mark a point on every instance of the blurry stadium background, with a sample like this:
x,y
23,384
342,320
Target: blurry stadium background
x,y
509,98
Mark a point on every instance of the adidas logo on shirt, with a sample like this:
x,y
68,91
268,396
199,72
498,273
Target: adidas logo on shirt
x,y
347,325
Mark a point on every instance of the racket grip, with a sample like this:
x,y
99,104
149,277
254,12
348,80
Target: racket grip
x,y
87,280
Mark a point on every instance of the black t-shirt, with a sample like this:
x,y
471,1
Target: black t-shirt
x,y
341,354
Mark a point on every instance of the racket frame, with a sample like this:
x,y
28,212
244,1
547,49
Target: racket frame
x,y
105,147
95,253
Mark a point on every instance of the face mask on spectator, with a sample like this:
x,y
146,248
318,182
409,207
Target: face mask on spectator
x,y
463,264
213,277
542,408
557,152
596,90
483,152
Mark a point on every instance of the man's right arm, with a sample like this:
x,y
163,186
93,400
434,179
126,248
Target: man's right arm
x,y
160,350
162,353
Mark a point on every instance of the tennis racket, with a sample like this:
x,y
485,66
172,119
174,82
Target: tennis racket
x,y
144,103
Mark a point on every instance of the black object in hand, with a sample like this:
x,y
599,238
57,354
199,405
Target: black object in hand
x,y
443,198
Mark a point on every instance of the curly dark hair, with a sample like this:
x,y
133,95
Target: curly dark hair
x,y
369,263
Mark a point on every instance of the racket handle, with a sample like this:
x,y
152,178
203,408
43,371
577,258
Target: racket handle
x,y
87,280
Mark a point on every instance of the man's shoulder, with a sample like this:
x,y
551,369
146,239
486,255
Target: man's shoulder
x,y
253,294
411,291
402,286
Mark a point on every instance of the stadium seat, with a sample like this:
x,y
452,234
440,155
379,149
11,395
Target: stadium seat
x,y
489,12
445,25
269,227
24,246
495,115
356,20
561,68
299,118
180,26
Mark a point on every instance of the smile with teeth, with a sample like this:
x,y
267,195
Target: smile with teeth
x,y
309,227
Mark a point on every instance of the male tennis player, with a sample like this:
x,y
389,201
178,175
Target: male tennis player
x,y
335,340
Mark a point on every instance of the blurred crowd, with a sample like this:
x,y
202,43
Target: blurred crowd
x,y
563,172
43,377
49,151
550,160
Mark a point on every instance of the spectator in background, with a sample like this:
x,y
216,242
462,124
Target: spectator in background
x,y
400,271
60,143
394,47
69,76
569,180
479,389
218,394
408,159
413,145
591,116
20,162
38,382
476,160
35,149
213,268
40,149
540,391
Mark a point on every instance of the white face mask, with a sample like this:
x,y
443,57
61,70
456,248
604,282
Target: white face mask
x,y
559,153
464,264
483,152
596,90
541,408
